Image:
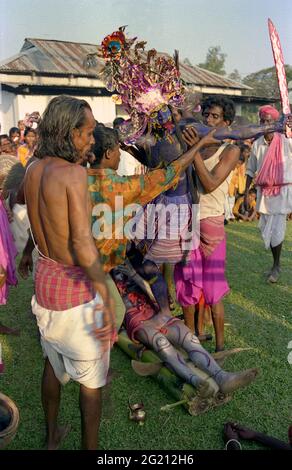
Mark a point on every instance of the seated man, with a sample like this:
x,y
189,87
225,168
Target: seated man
x,y
239,210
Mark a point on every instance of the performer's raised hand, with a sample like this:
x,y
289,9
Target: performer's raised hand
x,y
190,136
288,121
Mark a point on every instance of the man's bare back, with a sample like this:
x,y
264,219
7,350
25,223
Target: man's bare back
x,y
56,205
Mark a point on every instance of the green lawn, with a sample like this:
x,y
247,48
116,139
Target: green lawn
x,y
258,315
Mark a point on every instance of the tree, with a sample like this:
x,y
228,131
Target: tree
x,y
187,62
265,83
235,76
215,60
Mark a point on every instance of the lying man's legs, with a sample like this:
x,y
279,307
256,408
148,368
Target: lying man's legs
x,y
155,340
180,336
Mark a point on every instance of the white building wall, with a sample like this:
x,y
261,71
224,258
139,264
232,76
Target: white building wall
x,y
8,111
14,107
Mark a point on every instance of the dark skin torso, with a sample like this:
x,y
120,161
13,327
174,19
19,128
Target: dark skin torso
x,y
208,152
51,226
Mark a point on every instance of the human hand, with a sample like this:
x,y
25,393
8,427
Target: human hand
x,y
288,128
104,328
25,266
209,139
229,432
190,136
128,270
243,432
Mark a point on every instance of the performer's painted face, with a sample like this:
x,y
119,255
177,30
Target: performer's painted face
x,y
213,117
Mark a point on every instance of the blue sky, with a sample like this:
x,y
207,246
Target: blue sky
x,y
191,26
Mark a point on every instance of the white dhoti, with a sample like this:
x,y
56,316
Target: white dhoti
x,y
67,340
20,226
273,228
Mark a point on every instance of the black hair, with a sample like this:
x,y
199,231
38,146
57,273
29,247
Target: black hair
x,y
61,116
118,121
4,136
252,191
105,139
226,104
244,147
13,130
28,130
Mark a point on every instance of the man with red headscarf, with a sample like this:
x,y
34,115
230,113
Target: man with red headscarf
x,y
271,163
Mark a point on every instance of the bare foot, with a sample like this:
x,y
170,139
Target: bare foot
x,y
61,433
5,330
274,275
205,390
238,380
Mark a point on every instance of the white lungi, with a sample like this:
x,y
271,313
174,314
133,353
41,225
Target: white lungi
x,y
67,340
273,229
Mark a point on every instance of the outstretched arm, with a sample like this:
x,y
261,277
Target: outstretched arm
x,y
212,179
252,131
268,441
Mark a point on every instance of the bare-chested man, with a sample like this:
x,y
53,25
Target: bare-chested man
x,y
69,280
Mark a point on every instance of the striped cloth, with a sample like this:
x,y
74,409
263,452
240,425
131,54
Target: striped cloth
x,y
162,229
61,287
211,233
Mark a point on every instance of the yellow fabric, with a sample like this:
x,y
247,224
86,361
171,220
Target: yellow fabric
x,y
238,181
241,178
238,203
23,154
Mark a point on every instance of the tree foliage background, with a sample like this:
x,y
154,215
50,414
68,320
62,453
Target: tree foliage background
x,y
264,82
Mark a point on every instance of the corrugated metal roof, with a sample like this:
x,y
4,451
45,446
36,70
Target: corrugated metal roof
x,y
196,75
67,58
51,57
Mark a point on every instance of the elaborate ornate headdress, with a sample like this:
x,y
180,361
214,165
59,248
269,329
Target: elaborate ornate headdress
x,y
146,83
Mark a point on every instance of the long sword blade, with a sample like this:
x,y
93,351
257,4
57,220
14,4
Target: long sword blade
x,y
280,69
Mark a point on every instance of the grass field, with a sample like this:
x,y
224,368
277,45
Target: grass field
x,y
258,315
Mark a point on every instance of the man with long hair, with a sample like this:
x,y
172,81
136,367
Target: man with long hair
x,y
71,300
